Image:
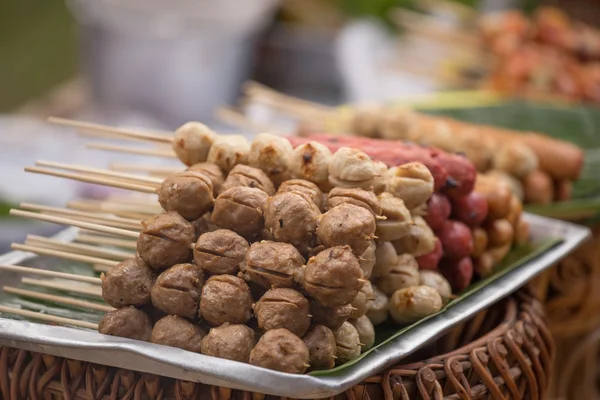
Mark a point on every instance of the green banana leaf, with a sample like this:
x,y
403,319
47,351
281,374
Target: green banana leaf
x,y
517,257
579,125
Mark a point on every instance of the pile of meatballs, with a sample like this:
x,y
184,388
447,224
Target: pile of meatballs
x,y
285,258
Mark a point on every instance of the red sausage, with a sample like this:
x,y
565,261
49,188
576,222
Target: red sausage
x,y
458,272
471,209
431,260
438,211
457,240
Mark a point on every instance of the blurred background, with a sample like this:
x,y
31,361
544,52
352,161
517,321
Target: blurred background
x,y
157,64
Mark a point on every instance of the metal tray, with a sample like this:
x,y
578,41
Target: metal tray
x,y
149,358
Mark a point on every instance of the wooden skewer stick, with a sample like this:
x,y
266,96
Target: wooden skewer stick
x,y
68,221
94,251
49,273
87,238
108,208
89,290
101,268
103,172
57,299
63,254
48,318
118,222
94,179
152,169
108,129
132,150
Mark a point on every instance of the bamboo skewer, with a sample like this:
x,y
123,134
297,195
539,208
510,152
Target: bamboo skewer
x,y
101,268
87,238
95,291
52,274
117,222
93,251
151,169
57,299
115,131
132,150
103,172
68,221
63,254
48,318
112,208
94,179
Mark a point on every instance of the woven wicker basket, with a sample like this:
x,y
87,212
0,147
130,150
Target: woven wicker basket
x,y
571,294
503,352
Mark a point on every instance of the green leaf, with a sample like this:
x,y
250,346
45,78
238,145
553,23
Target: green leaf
x,y
578,125
516,258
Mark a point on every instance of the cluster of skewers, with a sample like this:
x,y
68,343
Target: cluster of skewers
x,y
284,257
538,169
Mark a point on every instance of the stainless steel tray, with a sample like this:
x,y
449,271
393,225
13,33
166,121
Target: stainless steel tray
x,y
145,357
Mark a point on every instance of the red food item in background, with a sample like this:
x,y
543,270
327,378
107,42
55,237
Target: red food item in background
x,y
438,211
461,172
432,260
456,239
458,272
471,209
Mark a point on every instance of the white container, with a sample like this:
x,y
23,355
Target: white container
x,y
175,60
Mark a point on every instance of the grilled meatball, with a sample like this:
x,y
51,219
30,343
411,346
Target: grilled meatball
x,y
127,322
273,264
358,197
225,298
403,274
128,284
362,300
331,317
366,331
351,168
240,209
220,252
243,175
232,342
303,186
178,332
281,350
292,217
229,150
321,347
165,240
190,193
271,154
347,224
412,182
347,343
333,277
310,161
283,308
213,172
192,142
177,290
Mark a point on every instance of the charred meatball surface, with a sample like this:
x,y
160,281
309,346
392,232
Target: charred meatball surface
x,y
128,284
165,240
177,290
127,322
225,298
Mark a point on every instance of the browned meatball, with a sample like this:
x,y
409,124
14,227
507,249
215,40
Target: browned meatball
x,y
190,193
292,217
243,175
273,264
220,252
177,290
128,322
225,298
333,277
359,197
331,317
241,210
128,284
280,350
303,186
233,342
321,347
165,240
213,172
347,224
178,332
203,225
283,308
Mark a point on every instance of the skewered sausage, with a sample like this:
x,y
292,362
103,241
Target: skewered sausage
x,y
456,239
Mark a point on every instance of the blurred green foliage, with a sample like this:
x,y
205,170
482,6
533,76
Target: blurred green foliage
x,y
38,49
